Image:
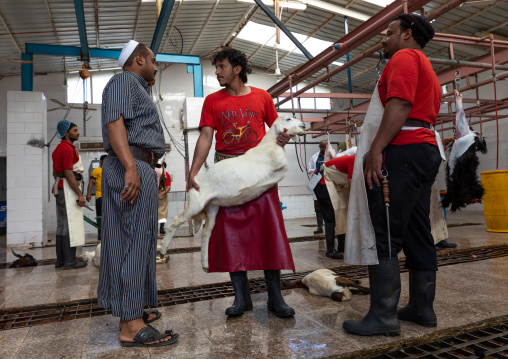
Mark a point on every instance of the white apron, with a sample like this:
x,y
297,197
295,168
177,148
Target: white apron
x,y
438,226
360,235
337,185
74,212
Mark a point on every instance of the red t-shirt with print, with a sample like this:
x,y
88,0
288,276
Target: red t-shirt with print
x,y
64,157
238,120
409,76
345,164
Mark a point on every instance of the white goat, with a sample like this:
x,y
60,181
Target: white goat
x,y
233,182
325,283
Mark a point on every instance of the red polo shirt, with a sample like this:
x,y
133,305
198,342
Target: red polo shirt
x,y
64,157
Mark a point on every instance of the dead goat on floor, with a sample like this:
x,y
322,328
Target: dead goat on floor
x,y
23,261
325,283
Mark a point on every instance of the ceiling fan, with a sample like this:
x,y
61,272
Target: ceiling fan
x,y
64,106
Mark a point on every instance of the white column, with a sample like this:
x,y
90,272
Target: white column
x,y
27,168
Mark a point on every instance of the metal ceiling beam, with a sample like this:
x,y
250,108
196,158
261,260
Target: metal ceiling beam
x,y
283,28
327,21
160,29
471,16
251,11
10,34
42,49
363,33
137,20
54,30
172,26
267,41
204,26
83,40
96,13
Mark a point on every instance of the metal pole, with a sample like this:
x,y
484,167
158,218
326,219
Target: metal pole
x,y
349,80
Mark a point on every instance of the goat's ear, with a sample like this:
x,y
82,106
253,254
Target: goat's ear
x,y
15,254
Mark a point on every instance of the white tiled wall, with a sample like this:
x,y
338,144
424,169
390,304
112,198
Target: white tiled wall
x,y
27,188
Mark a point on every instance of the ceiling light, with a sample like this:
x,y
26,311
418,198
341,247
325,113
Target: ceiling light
x,y
382,3
290,5
336,9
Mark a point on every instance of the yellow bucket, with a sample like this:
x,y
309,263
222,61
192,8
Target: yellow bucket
x,y
495,200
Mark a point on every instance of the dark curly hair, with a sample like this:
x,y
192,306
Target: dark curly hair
x,y
421,28
235,58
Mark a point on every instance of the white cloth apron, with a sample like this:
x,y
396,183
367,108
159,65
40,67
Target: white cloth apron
x,y
337,184
74,212
438,226
360,235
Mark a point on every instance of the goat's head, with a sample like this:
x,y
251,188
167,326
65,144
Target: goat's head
x,y
294,126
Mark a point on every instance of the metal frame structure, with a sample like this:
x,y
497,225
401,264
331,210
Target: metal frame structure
x,y
339,121
84,53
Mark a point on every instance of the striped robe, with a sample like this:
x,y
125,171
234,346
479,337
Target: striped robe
x,y
129,231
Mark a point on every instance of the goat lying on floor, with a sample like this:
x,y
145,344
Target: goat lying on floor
x,y
325,283
94,256
233,182
23,261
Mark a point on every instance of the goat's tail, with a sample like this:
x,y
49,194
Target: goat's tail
x,y
197,221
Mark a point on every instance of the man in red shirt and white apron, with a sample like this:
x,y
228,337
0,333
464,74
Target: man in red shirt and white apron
x,y
397,142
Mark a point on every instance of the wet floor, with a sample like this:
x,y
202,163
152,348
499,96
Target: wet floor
x,y
466,293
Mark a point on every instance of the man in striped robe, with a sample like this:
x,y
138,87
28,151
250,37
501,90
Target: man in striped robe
x,y
134,140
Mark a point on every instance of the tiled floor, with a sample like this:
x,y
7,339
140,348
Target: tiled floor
x,y
466,293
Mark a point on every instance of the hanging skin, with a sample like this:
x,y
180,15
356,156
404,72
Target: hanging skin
x,y
462,182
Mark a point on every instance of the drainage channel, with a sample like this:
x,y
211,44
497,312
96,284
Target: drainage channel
x,y
487,342
52,261
29,316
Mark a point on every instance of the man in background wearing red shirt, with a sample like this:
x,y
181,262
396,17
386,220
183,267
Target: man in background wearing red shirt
x,y
64,157
404,146
250,236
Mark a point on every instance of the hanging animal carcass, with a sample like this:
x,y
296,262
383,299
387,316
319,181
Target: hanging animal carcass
x,y
462,184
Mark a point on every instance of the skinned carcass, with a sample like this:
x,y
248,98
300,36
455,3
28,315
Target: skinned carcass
x,y
233,182
23,261
462,184
325,283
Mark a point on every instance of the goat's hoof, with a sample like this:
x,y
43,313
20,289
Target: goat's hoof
x,y
205,269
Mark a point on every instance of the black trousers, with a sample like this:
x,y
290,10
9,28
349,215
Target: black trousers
x,y
98,211
412,169
325,203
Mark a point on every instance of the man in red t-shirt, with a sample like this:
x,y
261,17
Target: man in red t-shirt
x,y
250,236
406,150
64,157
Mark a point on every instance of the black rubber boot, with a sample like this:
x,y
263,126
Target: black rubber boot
x,y
162,228
381,319
71,261
422,291
242,302
330,242
319,218
59,252
276,303
445,244
341,243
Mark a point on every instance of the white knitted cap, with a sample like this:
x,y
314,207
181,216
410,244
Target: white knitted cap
x,y
127,50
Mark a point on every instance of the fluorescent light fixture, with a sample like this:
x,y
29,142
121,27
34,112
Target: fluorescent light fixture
x,y
265,35
336,9
382,3
290,5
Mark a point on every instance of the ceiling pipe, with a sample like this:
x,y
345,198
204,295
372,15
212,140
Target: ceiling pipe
x,y
369,29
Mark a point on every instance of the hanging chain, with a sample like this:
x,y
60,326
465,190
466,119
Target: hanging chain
x,y
378,68
457,79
